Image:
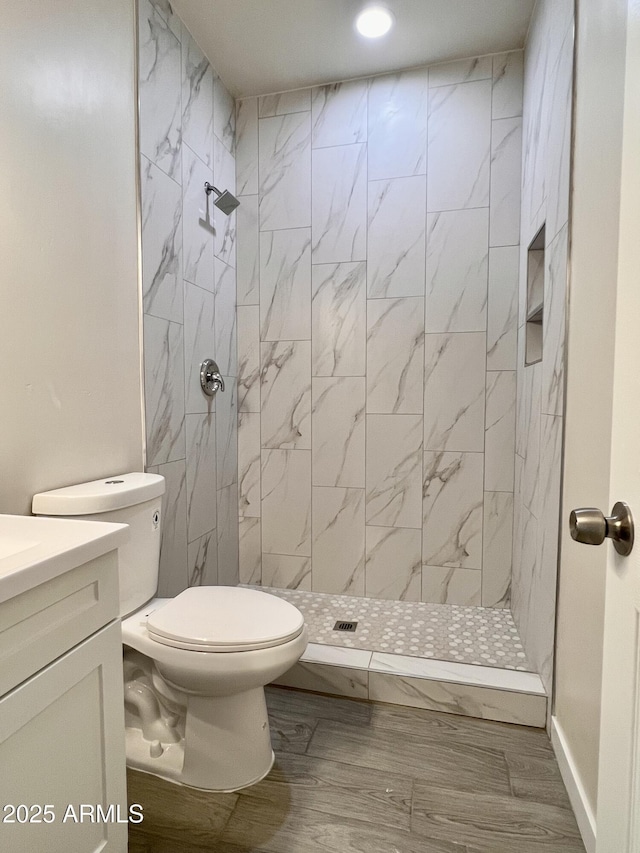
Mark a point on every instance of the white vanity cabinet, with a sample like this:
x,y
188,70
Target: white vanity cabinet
x,y
61,714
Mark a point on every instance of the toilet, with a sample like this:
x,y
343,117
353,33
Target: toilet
x,y
195,666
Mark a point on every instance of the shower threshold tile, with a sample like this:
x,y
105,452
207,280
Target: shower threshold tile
x,y
337,656
455,688
458,673
320,678
470,700
480,636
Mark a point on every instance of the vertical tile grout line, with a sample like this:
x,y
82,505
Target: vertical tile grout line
x,y
483,567
365,286
519,373
424,335
138,191
181,279
259,378
311,413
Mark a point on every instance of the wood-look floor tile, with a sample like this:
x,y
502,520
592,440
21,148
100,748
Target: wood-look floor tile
x,y
176,812
140,842
493,824
482,787
257,826
450,727
469,767
373,796
316,706
289,733
536,779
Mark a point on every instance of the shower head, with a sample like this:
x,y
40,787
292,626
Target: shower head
x,y
225,201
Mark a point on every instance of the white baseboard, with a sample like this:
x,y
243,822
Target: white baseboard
x,y
573,783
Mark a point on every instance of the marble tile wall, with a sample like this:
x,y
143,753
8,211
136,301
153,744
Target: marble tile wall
x,y
377,291
540,387
187,137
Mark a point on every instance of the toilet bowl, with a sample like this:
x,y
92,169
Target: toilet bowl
x,y
212,673
195,666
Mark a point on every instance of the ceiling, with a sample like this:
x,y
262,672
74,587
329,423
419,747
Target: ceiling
x,y
264,46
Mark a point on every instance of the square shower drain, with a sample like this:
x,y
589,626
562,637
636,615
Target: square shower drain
x,y
345,626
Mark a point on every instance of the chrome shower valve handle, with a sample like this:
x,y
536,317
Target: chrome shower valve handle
x,y
210,377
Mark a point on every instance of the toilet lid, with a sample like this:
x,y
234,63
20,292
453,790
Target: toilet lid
x,y
225,619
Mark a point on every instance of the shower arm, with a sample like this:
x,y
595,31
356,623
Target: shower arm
x,y
209,188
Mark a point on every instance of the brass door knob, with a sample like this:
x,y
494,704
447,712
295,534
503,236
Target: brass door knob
x,y
591,527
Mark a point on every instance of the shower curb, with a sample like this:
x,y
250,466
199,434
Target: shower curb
x,y
474,691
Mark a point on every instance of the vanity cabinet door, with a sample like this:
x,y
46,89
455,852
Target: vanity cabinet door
x,y
62,745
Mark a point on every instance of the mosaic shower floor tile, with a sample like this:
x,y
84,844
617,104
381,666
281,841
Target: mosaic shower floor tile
x,y
475,635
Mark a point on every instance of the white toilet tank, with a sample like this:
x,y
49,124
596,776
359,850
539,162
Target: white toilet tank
x,y
134,499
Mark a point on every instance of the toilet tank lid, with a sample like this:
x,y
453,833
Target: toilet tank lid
x,y
105,495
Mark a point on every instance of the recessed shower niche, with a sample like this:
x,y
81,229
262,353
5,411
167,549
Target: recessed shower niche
x,y
535,299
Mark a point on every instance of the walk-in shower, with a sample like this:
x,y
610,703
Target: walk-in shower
x,y
397,455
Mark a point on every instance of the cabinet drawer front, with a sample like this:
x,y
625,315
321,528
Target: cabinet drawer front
x,y
43,623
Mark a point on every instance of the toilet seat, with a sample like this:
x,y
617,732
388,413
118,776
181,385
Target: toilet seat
x,y
224,619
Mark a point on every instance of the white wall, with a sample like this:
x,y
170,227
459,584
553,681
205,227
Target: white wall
x,y
591,325
69,348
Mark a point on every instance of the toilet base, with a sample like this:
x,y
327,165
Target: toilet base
x,y
170,769
227,744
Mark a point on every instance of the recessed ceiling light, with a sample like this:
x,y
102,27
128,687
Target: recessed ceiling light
x,y
374,21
